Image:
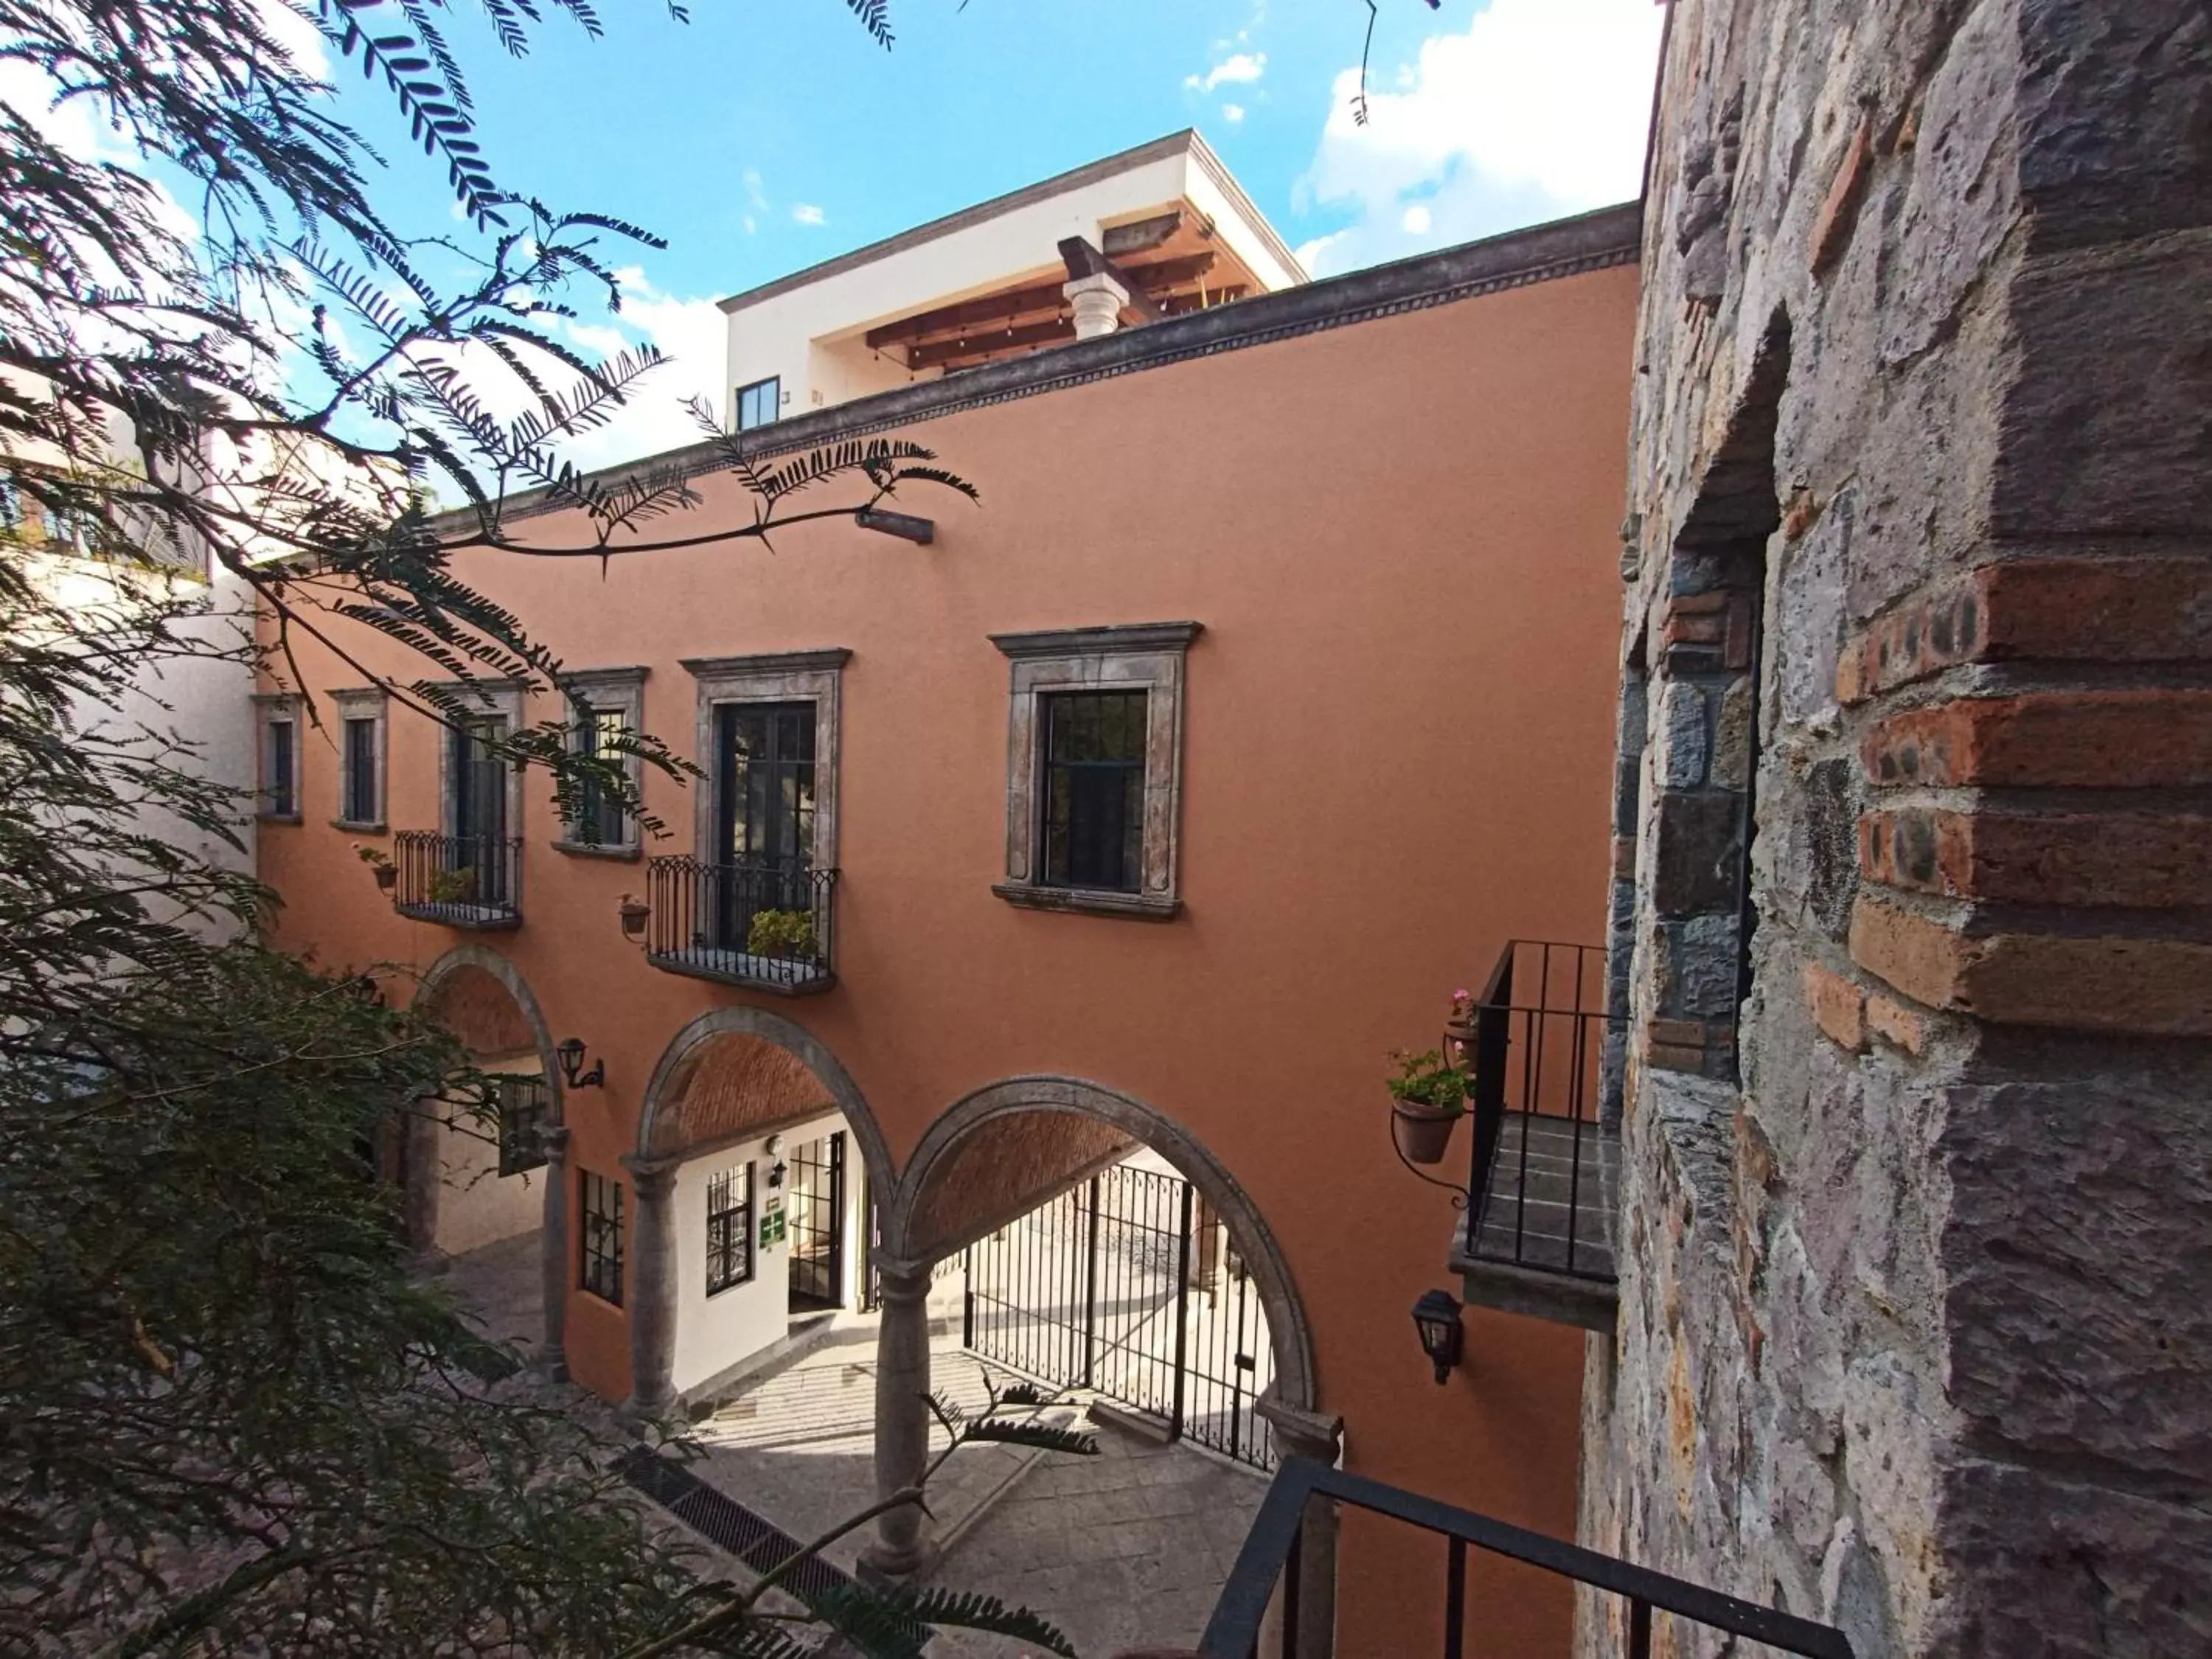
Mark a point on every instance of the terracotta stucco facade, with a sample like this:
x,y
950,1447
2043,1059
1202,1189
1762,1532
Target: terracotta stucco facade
x,y
1400,537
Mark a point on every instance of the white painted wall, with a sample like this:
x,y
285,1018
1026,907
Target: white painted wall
x,y
714,1333
479,1205
810,336
197,709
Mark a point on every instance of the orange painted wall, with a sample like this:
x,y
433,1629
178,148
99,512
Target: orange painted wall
x,y
1401,537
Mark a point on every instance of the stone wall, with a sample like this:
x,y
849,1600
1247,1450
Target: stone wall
x,y
1914,1330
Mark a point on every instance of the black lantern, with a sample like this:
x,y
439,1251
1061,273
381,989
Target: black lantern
x,y
570,1053
775,1173
1436,1317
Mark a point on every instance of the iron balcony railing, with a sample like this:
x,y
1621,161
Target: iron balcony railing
x,y
767,923
463,881
1635,1597
1540,1175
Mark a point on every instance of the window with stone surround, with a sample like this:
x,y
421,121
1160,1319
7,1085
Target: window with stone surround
x,y
740,699
277,766
601,1211
1094,768
606,705
361,749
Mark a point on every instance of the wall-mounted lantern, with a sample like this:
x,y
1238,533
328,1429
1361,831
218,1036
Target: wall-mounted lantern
x,y
773,1146
570,1053
1436,1317
634,912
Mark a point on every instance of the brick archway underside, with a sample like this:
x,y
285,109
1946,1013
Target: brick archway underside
x,y
1006,1167
483,1012
737,1085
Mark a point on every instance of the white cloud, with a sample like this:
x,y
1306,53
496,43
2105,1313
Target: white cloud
x,y
754,193
1538,109
1239,68
751,224
807,214
1232,113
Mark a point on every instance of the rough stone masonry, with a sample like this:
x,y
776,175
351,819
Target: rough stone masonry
x,y
1913,902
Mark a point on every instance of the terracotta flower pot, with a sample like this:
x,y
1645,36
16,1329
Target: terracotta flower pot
x,y
386,878
1423,1132
634,912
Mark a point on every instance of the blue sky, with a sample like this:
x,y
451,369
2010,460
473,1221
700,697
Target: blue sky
x,y
765,134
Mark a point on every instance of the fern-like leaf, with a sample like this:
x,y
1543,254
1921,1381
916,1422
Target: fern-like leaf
x,y
1042,1436
968,1610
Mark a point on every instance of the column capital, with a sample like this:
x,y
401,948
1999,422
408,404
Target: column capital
x,y
650,1177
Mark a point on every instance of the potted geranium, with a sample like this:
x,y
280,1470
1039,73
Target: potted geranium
x,y
1459,1029
1426,1099
385,870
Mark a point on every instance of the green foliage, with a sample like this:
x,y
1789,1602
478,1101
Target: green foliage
x,y
782,934
1428,1080
275,386
454,886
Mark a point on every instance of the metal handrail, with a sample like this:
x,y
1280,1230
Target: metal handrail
x,y
467,880
1270,1556
703,916
1553,1089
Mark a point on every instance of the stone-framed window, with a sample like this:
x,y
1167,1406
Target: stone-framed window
x,y
1094,752
488,801
276,740
783,678
600,1210
604,704
364,746
730,1228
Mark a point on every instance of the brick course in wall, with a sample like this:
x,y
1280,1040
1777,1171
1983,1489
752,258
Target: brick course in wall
x,y
1912,1334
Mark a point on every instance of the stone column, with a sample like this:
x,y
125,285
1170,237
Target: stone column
x,y
903,1416
556,1258
652,1288
424,1174
1303,1433
1098,299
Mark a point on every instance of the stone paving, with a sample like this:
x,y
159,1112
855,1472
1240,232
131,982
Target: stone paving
x,y
1128,1549
1124,1550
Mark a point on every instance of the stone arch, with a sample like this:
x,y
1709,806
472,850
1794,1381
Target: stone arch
x,y
484,999
954,1159
735,1073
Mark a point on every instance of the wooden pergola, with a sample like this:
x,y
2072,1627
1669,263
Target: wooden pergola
x,y
1171,262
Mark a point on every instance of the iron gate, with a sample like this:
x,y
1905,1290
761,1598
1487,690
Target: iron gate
x,y
1127,1285
816,1219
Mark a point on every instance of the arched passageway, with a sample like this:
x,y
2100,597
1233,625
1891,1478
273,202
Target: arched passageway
x,y
475,1180
755,1158
997,1155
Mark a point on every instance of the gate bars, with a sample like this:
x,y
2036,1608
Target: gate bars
x,y
1127,1285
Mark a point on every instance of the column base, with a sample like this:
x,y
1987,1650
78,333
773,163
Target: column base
x,y
881,1568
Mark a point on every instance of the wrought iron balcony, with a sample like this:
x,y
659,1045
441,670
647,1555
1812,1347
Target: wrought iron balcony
x,y
1634,1598
765,923
461,881
1537,1236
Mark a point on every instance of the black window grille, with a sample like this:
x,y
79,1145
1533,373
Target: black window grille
x,y
361,771
600,820
479,780
756,403
602,1237
283,789
1094,790
730,1228
522,1102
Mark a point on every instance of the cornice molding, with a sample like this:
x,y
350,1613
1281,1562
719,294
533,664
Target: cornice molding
x,y
1602,241
1109,640
774,662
